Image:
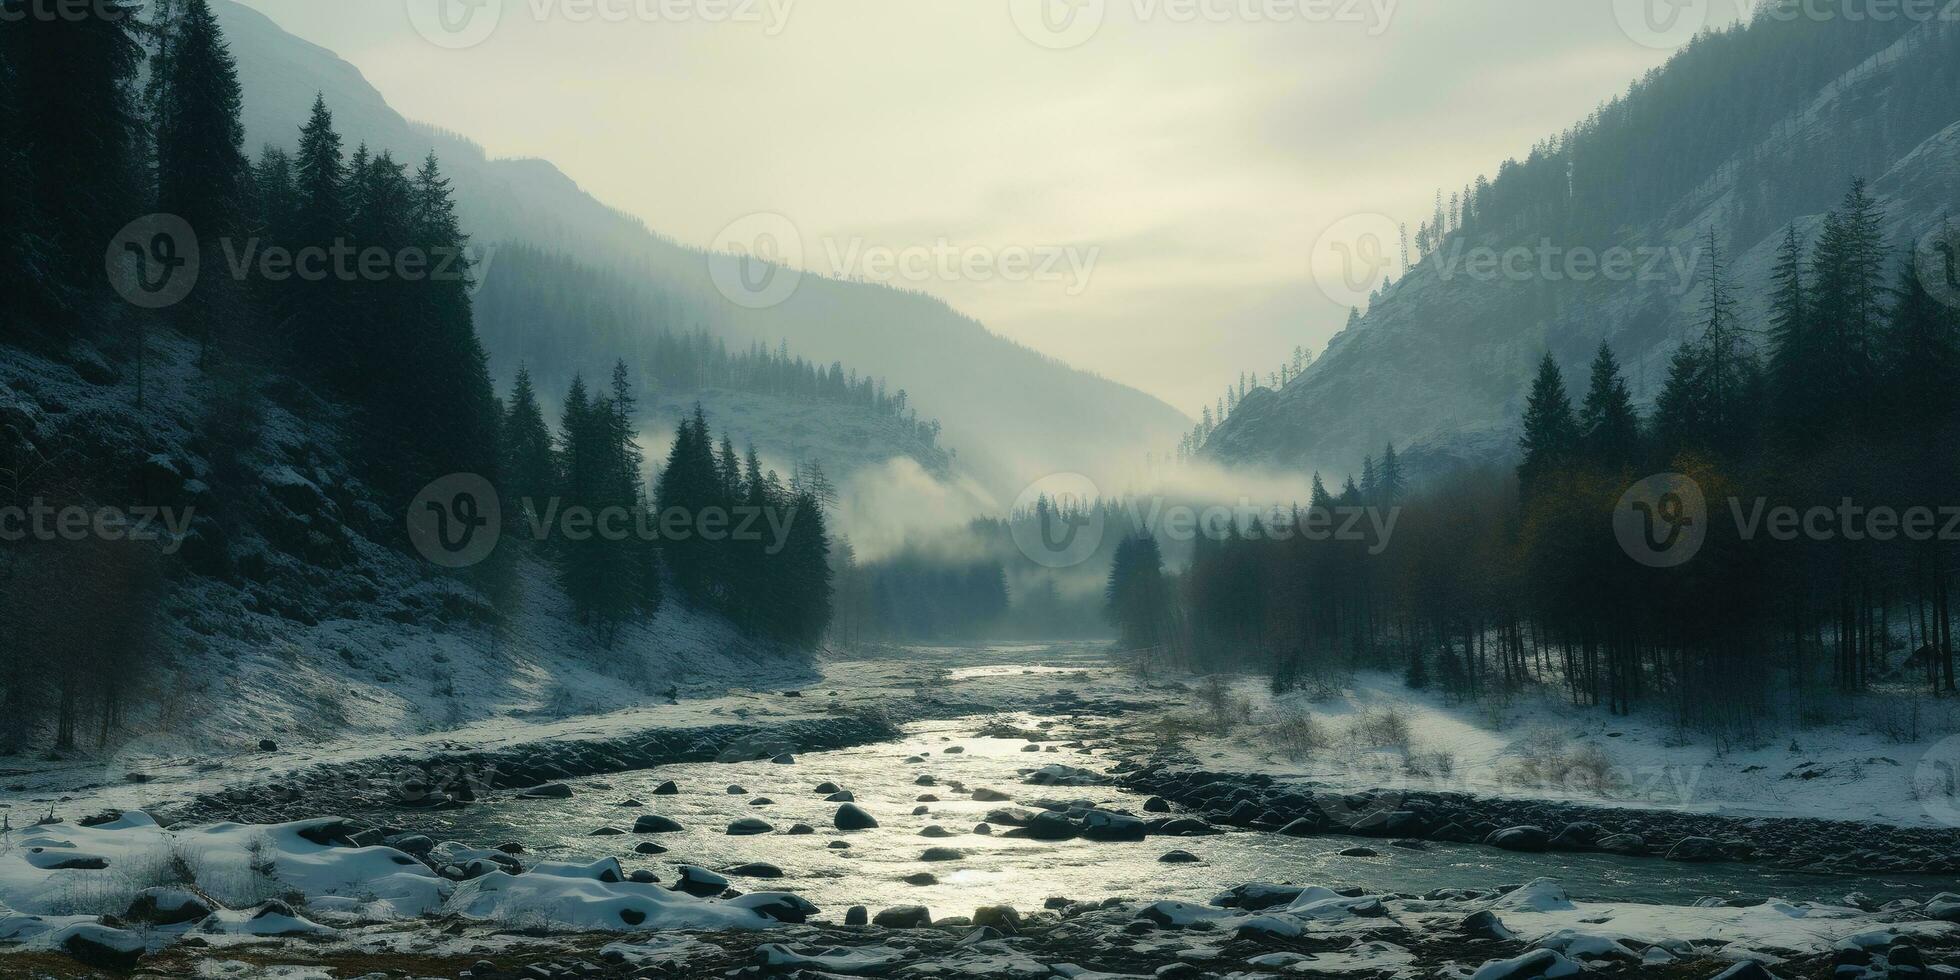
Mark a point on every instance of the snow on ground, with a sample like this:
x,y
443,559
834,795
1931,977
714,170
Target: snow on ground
x,y
232,880
1376,733
172,768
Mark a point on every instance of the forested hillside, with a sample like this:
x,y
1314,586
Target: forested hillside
x,y
1747,133
998,400
223,443
557,319
1795,552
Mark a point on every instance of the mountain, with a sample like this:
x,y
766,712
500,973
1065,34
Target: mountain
x,y
1013,414
1745,133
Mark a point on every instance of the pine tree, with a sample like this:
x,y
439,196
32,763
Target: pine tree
x,y
314,312
24,258
1370,480
1136,596
321,171
1393,483
1850,277
1551,434
1796,374
530,467
76,73
689,487
1609,428
1923,347
202,174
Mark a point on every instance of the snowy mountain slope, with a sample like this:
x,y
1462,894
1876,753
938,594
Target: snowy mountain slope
x,y
1014,413
289,610
1440,361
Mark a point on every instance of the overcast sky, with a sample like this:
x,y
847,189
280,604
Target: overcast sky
x,y
1138,190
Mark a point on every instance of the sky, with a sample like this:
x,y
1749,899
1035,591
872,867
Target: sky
x,y
1165,192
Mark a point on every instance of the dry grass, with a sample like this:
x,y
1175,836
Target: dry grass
x,y
1547,761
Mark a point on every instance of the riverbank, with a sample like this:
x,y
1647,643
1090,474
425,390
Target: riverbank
x,y
601,851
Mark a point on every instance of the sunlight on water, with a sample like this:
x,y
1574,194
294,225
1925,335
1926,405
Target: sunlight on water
x,y
995,869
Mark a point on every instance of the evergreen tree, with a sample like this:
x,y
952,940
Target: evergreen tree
x,y
689,487
77,73
530,467
24,255
1393,483
1137,595
201,169
1924,352
1370,480
1609,428
312,310
1850,303
1551,434
803,613
1797,372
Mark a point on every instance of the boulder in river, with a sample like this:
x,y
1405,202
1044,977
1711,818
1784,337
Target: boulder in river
x,y
1101,825
1179,857
666,789
750,826
985,795
755,869
1005,918
857,915
829,788
1528,839
850,816
1049,825
1631,845
841,796
942,854
548,791
648,847
654,823
935,830
903,917
699,881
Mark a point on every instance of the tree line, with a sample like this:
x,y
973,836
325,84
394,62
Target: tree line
x,y
88,143
550,311
1495,579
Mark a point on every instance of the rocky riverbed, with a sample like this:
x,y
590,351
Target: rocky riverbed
x,y
1043,843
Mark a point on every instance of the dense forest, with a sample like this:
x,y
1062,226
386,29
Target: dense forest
x,y
1494,580
368,324
1632,158
551,314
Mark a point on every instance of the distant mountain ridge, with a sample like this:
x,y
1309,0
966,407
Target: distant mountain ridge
x,y
1745,133
1014,414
